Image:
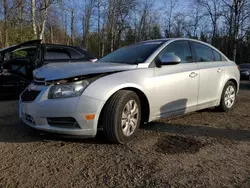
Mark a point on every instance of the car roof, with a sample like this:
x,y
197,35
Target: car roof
x,y
173,39
63,45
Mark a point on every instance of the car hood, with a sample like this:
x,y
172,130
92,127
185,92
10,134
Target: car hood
x,y
56,71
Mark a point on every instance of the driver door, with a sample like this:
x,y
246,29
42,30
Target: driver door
x,y
176,86
18,64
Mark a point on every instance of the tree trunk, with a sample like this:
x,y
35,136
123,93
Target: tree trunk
x,y
44,17
51,35
72,27
112,38
236,29
5,23
66,29
83,31
21,19
103,40
214,32
33,17
98,25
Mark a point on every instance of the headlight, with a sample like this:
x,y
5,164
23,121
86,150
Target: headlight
x,y
73,89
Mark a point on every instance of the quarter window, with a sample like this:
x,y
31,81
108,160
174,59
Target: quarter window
x,y
203,53
75,54
180,49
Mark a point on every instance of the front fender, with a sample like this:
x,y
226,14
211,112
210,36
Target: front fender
x,y
106,86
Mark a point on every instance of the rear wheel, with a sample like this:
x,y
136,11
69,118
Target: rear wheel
x,y
228,97
121,116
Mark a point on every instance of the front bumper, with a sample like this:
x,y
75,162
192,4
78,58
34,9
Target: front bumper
x,y
35,113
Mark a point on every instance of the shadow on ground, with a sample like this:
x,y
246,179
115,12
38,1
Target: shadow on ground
x,y
17,132
199,131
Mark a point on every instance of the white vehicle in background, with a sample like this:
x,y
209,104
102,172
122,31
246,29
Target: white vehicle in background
x,y
132,85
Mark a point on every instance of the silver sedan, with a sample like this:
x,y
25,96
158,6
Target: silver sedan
x,y
128,87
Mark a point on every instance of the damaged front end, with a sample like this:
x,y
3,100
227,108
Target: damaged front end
x,y
68,87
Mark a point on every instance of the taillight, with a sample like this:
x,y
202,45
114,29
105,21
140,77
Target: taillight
x,y
238,67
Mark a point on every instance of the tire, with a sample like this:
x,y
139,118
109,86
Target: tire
x,y
116,129
224,107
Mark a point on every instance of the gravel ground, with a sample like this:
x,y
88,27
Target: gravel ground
x,y
201,149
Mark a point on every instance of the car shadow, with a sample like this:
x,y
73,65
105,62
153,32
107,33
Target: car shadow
x,y
195,130
199,131
16,131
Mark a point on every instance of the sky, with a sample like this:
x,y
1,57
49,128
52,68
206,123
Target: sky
x,y
159,6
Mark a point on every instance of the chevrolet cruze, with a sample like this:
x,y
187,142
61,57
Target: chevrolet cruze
x,y
128,87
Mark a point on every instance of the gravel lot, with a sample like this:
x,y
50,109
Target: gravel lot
x,y
201,149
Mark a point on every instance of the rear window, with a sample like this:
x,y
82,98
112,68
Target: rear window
x,y
75,54
203,53
56,53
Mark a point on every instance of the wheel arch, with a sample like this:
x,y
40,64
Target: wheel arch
x,y
145,107
234,81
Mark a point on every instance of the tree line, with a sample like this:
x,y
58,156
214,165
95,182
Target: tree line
x,y
102,26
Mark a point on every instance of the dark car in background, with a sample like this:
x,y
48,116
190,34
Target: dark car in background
x,y
18,62
244,71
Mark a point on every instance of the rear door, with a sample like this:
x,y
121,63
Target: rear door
x,y
211,80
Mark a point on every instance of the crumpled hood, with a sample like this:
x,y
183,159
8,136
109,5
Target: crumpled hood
x,y
55,71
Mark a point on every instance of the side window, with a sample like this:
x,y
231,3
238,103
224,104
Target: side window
x,y
203,53
21,54
56,53
217,56
181,49
75,54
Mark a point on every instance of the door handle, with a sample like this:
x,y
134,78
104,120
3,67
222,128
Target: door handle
x,y
193,74
219,70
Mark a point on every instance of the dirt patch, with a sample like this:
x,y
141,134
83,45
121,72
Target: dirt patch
x,y
178,144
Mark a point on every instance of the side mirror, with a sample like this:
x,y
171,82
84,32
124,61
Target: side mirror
x,y
170,59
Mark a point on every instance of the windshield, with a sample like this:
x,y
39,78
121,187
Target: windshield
x,y
133,54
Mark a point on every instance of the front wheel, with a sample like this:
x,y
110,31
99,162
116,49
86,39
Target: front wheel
x,y
121,116
228,97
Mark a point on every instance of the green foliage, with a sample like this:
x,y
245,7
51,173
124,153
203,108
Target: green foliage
x,y
93,45
155,33
19,54
203,37
130,36
19,35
